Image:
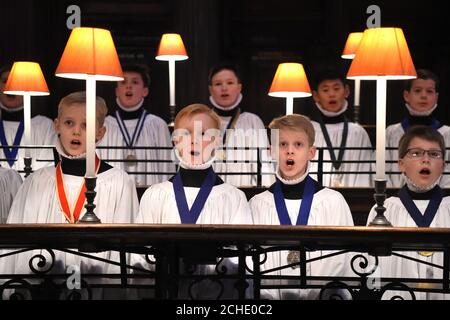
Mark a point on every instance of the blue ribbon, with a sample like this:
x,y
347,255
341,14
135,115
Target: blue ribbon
x,y
230,123
130,141
305,207
11,154
191,216
433,206
435,124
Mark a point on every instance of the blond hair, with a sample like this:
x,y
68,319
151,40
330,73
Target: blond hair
x,y
79,97
295,122
197,108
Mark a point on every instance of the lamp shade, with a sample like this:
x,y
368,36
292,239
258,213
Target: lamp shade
x,y
290,81
383,52
26,78
351,45
171,47
90,51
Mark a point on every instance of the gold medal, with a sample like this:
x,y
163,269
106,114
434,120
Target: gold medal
x,y
131,160
425,253
293,257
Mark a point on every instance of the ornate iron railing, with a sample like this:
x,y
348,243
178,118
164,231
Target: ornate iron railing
x,y
174,253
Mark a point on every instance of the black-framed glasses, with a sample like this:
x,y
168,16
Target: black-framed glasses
x,y
417,153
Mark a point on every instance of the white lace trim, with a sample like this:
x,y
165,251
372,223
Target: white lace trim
x,y
420,113
9,110
136,107
187,165
63,153
293,181
333,114
415,188
215,104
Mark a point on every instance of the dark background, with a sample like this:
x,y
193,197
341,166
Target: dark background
x,y
256,34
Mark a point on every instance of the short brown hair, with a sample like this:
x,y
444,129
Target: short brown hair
x,y
194,109
140,69
295,122
423,74
422,132
79,97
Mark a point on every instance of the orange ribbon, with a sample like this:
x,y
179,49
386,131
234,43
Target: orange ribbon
x,y
72,216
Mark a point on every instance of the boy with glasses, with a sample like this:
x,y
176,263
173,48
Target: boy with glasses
x,y
420,203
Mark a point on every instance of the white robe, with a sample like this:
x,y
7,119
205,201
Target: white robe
x,y
396,267
155,133
10,182
357,137
249,131
42,133
225,205
393,134
328,208
37,202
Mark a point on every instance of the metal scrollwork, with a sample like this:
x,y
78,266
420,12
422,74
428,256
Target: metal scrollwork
x,y
38,263
256,251
397,286
220,268
335,290
22,290
363,265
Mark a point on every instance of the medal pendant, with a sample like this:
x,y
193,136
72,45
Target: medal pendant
x,y
293,257
131,160
425,253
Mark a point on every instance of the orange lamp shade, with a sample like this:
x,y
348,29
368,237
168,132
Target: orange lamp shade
x,y
351,45
290,81
26,78
383,52
90,51
171,47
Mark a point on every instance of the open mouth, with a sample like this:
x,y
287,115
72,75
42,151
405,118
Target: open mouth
x,y
195,153
290,162
425,171
128,94
76,142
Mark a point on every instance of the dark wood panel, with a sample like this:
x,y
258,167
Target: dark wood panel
x,y
256,34
108,236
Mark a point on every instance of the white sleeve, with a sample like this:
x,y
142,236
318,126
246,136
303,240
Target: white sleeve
x,y
242,214
10,182
127,203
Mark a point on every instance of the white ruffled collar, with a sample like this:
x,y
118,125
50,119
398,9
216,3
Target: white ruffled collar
x,y
293,181
330,113
63,153
9,110
136,107
415,188
234,105
190,166
420,113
